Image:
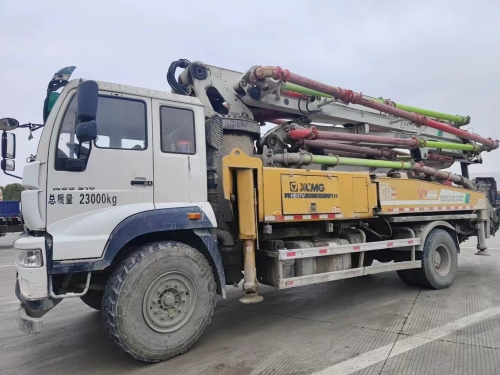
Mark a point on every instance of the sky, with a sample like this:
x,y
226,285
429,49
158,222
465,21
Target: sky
x,y
441,55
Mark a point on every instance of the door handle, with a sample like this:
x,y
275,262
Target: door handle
x,y
141,182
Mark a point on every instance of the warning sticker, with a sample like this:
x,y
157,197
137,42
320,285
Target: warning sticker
x,y
387,193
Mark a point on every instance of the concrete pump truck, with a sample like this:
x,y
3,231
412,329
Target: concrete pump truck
x,y
146,204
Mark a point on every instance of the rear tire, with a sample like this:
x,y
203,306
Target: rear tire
x,y
408,277
439,261
93,299
159,301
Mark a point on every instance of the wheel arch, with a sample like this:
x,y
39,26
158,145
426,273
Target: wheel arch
x,y
422,231
150,226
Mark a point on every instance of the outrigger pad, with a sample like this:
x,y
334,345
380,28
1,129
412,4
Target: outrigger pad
x,y
483,252
28,324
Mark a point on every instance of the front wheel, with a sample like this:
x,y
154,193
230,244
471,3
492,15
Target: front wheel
x,y
159,301
93,299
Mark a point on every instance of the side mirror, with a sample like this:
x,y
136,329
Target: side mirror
x,y
87,94
8,145
7,124
86,131
8,165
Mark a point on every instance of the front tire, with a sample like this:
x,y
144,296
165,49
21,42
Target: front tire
x,y
93,299
159,301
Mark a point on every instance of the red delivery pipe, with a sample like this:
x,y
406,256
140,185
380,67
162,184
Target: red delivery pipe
x,y
349,148
349,96
441,175
293,94
343,154
436,157
312,133
279,121
333,148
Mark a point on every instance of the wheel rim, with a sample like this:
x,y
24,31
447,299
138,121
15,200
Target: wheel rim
x,y
442,260
169,302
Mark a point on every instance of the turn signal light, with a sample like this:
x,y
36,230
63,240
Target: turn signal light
x,y
194,216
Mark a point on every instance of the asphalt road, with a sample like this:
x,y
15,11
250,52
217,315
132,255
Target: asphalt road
x,y
370,325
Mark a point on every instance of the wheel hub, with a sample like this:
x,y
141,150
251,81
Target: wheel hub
x,y
437,259
442,260
169,302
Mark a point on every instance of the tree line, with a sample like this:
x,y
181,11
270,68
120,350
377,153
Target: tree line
x,y
11,192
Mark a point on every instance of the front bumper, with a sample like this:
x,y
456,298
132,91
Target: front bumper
x,y
32,287
33,282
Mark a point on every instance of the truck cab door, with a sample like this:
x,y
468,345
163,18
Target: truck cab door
x,y
179,155
84,207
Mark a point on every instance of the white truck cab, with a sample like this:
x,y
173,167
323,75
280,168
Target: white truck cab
x,y
100,181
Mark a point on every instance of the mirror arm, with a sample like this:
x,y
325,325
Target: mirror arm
x,y
32,127
12,175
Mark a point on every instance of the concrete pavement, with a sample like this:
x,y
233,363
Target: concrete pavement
x,y
370,325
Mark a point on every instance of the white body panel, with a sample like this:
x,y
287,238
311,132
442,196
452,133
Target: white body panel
x,y
179,177
204,206
55,200
85,235
32,196
101,196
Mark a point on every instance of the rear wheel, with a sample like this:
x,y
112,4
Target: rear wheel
x,y
159,301
407,276
439,261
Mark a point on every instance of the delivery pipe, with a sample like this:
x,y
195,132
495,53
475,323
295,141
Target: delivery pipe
x,y
431,157
414,142
344,154
460,120
348,96
388,154
307,158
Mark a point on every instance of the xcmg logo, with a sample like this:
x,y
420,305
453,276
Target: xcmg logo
x,y
306,187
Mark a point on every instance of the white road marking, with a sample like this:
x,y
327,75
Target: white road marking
x,y
475,248
6,265
381,354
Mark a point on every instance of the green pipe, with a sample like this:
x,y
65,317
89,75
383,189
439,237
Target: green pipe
x,y
337,160
453,146
404,157
460,120
303,90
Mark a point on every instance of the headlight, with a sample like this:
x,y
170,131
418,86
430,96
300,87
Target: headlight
x,y
29,258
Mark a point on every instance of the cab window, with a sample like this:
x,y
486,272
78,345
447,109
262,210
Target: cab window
x,y
177,130
121,125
